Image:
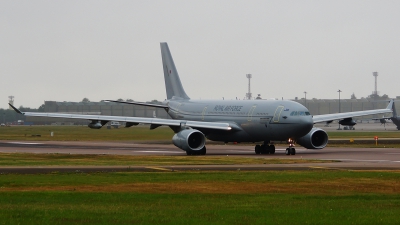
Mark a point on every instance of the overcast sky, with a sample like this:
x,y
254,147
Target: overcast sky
x,y
68,50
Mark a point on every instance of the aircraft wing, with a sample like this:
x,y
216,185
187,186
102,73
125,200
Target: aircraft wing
x,y
136,120
338,116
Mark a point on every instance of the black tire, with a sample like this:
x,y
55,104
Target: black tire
x,y
272,149
263,149
189,152
257,149
287,152
293,151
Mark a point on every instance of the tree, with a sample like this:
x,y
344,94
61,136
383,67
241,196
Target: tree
x,y
85,100
353,96
120,100
129,100
41,108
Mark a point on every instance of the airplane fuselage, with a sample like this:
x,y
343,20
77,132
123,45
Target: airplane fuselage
x,y
259,120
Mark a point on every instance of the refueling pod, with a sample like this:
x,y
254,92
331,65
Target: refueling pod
x,y
189,140
315,139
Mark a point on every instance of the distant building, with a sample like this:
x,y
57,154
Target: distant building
x,y
94,108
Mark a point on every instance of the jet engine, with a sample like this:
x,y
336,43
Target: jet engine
x,y
189,140
347,122
315,139
97,124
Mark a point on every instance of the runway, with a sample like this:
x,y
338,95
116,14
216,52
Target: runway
x,y
348,158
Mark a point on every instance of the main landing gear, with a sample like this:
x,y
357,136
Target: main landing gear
x,y
199,152
266,148
291,150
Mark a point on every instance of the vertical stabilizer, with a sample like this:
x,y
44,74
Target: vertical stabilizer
x,y
394,110
173,83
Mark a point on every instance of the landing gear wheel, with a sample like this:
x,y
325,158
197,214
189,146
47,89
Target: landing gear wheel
x,y
264,149
287,152
293,151
272,149
257,149
189,152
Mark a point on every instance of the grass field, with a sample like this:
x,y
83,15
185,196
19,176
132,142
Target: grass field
x,y
83,133
284,197
263,197
30,159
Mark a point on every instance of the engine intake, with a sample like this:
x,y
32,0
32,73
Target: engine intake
x,y
315,139
189,139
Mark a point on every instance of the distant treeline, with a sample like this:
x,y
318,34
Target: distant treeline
x,y
9,115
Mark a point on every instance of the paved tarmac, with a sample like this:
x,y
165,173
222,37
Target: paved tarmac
x,y
348,158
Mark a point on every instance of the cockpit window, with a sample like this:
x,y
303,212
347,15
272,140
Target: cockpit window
x,y
308,113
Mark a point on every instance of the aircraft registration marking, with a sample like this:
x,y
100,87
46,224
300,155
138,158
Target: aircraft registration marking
x,y
233,108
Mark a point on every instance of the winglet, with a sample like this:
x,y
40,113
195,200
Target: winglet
x,y
16,110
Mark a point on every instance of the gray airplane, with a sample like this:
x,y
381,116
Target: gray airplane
x,y
394,118
226,121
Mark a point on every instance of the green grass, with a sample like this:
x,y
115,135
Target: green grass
x,y
133,208
30,159
269,197
83,133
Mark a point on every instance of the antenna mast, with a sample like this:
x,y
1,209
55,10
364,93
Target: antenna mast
x,y
248,95
375,74
11,101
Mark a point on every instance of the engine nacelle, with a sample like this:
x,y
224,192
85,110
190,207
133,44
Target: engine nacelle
x,y
95,124
189,139
347,122
315,139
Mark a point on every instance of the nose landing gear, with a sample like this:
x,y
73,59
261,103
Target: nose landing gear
x,y
291,150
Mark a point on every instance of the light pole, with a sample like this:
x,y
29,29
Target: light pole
x,y
305,99
339,107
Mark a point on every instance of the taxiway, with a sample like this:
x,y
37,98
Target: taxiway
x,y
348,158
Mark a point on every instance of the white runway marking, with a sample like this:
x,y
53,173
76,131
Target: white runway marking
x,y
159,151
